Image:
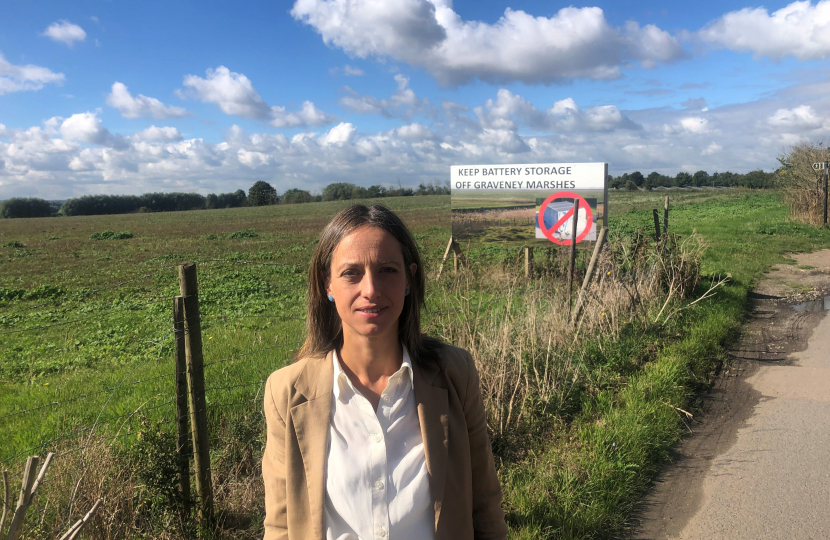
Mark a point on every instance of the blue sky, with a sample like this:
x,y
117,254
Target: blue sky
x,y
118,97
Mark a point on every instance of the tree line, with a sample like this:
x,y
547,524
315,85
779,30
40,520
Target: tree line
x,y
260,194
634,181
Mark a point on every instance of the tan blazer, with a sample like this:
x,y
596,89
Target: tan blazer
x,y
463,485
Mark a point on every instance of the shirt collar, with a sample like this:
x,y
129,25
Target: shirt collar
x,y
343,383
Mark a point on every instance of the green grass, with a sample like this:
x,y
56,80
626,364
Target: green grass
x,y
579,479
588,483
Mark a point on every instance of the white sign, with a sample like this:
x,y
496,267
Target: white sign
x,y
542,176
818,166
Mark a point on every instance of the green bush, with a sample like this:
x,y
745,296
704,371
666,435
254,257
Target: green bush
x,y
14,244
239,235
111,235
154,459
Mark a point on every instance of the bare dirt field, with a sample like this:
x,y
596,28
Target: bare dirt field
x,y
756,463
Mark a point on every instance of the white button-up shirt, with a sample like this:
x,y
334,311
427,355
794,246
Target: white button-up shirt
x,y
376,483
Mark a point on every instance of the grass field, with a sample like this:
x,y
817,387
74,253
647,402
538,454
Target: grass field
x,y
89,321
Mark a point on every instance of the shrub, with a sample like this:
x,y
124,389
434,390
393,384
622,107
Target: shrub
x,y
111,235
14,244
155,463
803,187
240,235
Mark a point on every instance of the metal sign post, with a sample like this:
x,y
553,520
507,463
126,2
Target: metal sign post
x,y
823,167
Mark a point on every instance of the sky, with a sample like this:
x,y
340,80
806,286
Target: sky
x,y
98,96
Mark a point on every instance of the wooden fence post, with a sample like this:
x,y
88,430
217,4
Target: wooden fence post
x,y
589,273
183,447
28,488
666,216
656,226
572,261
196,386
457,257
528,261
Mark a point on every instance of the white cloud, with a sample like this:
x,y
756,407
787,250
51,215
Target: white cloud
x,y
573,43
403,103
29,77
799,117
342,133
799,29
347,70
154,133
309,115
415,132
137,106
235,95
86,127
695,124
352,71
65,32
232,92
77,155
713,148
509,109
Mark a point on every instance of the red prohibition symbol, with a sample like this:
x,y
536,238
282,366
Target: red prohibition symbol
x,y
582,204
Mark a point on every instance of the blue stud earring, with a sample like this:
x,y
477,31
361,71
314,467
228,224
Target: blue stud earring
x,y
331,298
406,293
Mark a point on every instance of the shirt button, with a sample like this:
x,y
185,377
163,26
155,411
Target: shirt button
x,y
378,485
386,399
376,438
381,532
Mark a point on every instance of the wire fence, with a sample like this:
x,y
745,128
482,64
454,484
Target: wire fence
x,y
37,422
144,376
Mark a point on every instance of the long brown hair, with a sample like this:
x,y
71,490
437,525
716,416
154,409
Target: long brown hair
x,y
323,324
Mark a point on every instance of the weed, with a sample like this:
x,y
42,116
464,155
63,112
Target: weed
x,y
240,235
111,235
14,244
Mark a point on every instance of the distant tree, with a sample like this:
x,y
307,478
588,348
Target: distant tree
x,y
637,178
375,192
700,179
683,179
262,194
340,191
25,208
296,196
759,179
211,201
226,200
400,192
359,192
656,179
631,186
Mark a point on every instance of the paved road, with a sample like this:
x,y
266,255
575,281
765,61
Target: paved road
x,y
773,479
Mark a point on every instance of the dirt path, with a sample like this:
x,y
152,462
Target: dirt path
x,y
758,464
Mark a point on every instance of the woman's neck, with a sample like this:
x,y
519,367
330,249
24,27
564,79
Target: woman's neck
x,y
371,359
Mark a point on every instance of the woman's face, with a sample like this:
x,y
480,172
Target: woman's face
x,y
368,282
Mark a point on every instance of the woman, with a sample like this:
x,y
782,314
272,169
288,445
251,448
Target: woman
x,y
376,432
